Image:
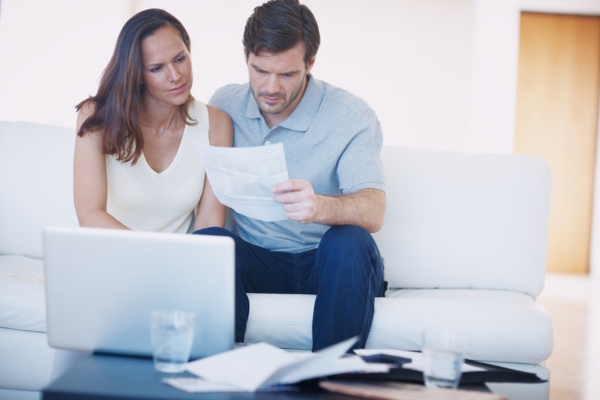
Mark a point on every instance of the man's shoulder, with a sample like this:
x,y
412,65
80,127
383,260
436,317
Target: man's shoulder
x,y
229,95
343,97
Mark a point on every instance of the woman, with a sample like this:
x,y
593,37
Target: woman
x,y
136,165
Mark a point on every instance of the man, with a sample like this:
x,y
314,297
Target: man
x,y
335,196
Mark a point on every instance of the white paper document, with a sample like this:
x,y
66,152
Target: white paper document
x,y
242,177
261,366
197,385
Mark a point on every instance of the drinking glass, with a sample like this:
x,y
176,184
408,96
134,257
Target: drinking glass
x,y
443,356
172,335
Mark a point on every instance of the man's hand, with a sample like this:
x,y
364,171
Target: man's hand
x,y
299,200
364,208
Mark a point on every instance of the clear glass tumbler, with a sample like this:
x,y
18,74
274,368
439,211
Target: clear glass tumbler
x,y
443,357
172,335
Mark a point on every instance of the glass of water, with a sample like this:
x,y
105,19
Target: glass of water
x,y
443,356
172,335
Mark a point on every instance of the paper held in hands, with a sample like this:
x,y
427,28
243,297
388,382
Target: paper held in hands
x,y
260,366
242,177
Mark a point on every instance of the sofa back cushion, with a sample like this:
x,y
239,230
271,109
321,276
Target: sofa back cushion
x,y
36,184
459,220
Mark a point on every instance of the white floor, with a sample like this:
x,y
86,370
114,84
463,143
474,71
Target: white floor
x,y
574,304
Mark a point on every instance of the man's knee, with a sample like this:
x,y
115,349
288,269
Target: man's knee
x,y
214,231
351,251
348,245
347,237
217,231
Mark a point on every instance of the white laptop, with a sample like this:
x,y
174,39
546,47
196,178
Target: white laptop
x,y
102,284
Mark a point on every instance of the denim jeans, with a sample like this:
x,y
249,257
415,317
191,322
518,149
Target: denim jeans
x,y
345,272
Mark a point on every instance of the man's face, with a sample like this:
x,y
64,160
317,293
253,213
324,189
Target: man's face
x,y
278,81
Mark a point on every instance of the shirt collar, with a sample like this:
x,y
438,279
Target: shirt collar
x,y
304,113
252,110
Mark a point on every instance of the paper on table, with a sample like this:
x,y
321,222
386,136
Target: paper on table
x,y
197,385
242,177
417,358
261,365
323,363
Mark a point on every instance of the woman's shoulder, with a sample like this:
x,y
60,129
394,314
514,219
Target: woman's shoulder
x,y
217,115
86,110
220,128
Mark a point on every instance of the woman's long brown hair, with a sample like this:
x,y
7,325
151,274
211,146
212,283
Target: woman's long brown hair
x,y
117,103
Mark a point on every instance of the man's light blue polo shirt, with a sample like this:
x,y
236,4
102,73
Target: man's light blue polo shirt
x,y
332,139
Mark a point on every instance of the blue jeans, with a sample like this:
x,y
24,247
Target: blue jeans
x,y
345,272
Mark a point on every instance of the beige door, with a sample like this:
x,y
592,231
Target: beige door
x,y
557,117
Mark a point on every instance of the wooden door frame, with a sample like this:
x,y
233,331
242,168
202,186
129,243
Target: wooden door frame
x,y
494,70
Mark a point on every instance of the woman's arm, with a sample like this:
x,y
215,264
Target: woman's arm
x,y
220,132
89,178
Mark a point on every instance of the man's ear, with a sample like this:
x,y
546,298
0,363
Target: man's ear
x,y
246,55
310,64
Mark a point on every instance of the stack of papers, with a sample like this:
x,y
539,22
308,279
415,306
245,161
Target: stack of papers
x,y
262,367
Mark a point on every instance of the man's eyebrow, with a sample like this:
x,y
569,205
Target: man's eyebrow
x,y
290,72
259,69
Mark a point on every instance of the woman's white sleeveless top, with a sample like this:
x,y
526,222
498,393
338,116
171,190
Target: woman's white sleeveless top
x,y
142,199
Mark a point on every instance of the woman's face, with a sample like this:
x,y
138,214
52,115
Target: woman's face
x,y
167,68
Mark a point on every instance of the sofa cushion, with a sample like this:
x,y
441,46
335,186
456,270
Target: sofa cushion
x,y
36,184
501,326
283,320
460,220
26,361
22,295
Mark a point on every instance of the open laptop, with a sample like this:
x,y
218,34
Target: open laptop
x,y
102,284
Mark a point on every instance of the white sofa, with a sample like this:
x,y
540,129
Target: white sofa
x,y
464,245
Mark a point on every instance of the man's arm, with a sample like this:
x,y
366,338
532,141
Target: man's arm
x,y
364,208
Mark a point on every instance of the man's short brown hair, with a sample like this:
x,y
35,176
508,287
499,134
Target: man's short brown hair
x,y
278,25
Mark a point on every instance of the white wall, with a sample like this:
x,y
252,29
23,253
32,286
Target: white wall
x,y
52,53
409,59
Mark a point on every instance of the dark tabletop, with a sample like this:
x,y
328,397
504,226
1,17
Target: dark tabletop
x,y
112,377
101,376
